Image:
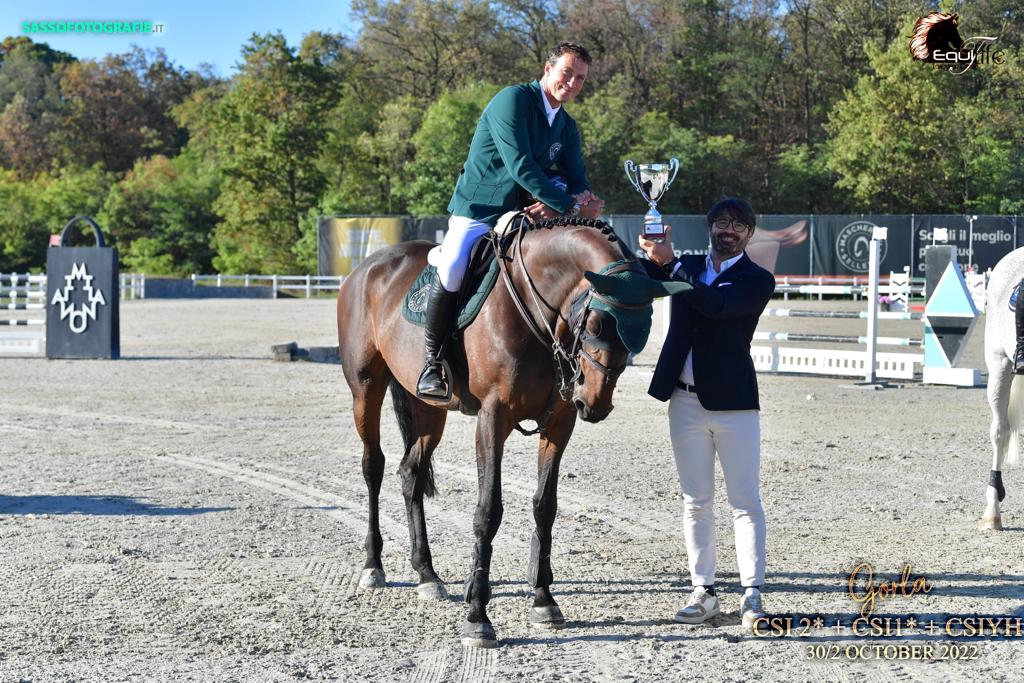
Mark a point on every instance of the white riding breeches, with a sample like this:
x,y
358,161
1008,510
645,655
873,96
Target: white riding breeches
x,y
735,436
451,257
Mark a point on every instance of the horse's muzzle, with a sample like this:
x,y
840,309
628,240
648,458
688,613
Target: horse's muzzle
x,y
588,413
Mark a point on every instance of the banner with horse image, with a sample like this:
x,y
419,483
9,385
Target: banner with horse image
x,y
780,244
797,244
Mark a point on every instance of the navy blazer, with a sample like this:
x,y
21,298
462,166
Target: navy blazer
x,y
717,322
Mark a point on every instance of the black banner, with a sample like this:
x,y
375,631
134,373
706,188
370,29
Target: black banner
x,y
980,242
841,244
781,243
784,244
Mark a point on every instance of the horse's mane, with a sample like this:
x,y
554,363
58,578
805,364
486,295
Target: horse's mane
x,y
580,222
935,31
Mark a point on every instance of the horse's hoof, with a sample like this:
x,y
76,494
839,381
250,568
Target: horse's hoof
x,y
991,524
549,617
432,590
372,579
478,635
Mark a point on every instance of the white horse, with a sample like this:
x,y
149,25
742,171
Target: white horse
x,y
1005,396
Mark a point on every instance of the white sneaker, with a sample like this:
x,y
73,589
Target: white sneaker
x,y
702,606
751,608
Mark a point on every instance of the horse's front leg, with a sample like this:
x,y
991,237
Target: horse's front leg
x,y
999,383
545,612
493,427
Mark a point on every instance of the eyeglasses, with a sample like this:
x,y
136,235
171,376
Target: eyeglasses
x,y
730,224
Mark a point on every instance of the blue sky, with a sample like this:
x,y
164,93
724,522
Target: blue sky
x,y
212,31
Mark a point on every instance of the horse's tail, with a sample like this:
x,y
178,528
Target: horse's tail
x,y
401,400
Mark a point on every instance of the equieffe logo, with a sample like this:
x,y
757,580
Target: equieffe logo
x,y
853,246
554,150
936,40
78,316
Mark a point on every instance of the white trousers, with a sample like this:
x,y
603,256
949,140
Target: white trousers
x,y
451,257
697,434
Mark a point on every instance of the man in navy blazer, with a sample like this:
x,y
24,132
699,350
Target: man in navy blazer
x,y
706,373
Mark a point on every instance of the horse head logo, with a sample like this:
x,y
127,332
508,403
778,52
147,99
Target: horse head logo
x,y
936,31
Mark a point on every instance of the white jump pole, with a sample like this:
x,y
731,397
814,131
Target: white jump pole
x,y
877,235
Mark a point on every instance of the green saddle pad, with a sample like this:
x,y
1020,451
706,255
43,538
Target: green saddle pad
x,y
473,295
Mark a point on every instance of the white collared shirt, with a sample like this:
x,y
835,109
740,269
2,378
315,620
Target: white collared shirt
x,y
551,112
708,277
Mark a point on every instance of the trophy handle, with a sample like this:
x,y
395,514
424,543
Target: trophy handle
x,y
673,164
631,175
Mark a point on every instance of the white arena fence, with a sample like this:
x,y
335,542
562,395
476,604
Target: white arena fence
x,y
19,294
306,284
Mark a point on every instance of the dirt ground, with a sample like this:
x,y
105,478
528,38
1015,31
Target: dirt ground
x,y
196,511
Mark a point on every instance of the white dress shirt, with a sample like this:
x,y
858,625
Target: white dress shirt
x,y
551,112
708,277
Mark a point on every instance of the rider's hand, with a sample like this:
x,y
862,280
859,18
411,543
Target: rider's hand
x,y
539,211
593,207
659,253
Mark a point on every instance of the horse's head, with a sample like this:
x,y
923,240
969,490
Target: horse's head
x,y
610,319
936,31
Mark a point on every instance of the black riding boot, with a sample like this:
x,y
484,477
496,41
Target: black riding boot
x,y
440,311
1018,355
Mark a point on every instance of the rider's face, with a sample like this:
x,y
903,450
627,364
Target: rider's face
x,y
564,79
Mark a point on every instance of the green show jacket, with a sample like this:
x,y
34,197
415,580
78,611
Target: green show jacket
x,y
512,147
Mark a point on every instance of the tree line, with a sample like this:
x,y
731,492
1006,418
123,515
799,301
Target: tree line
x,y
797,105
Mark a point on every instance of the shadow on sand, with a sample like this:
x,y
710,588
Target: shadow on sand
x,y
91,505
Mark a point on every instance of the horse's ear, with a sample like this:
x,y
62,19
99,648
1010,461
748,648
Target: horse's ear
x,y
603,284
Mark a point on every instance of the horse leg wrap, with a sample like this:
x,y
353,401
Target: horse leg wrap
x,y
995,480
484,594
539,573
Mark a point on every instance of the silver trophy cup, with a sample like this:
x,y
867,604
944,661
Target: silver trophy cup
x,y
652,181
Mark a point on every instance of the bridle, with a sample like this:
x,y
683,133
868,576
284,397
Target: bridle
x,y
568,358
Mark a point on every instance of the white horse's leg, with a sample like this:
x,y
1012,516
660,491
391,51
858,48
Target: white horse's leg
x,y
1000,379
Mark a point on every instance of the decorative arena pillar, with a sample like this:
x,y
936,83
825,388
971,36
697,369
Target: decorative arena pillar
x,y
82,318
949,319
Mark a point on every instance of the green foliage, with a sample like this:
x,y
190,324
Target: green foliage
x,y
606,123
804,105
73,191
23,235
801,182
161,215
440,146
909,131
268,131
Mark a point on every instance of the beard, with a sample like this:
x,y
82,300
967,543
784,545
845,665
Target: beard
x,y
727,244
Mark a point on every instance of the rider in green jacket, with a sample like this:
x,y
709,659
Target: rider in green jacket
x,y
522,134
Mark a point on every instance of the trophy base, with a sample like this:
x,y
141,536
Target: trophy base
x,y
657,238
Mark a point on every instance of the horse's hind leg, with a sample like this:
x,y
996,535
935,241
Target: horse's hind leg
x,y
421,426
1000,380
368,394
545,612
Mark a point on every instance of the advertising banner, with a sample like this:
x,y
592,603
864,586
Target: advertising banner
x,y
980,243
344,242
841,244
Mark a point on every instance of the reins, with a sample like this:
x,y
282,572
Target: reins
x,y
567,363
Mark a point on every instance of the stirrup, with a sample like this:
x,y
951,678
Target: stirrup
x,y
437,368
1018,360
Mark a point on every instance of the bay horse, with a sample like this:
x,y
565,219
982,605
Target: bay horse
x,y
1005,392
538,350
